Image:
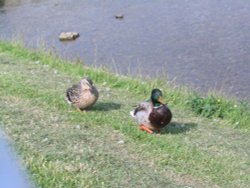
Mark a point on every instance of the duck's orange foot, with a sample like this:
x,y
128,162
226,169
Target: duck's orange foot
x,y
144,128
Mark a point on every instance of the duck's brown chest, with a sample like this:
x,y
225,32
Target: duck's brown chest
x,y
160,116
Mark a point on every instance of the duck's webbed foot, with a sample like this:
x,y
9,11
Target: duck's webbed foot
x,y
144,128
80,110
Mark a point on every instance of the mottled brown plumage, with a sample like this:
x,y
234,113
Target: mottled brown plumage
x,y
82,95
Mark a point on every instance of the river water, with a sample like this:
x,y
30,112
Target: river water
x,y
203,44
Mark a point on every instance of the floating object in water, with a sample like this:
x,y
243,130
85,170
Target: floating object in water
x,y
68,36
119,16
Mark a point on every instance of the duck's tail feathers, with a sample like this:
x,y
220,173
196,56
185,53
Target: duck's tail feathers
x,y
67,98
132,113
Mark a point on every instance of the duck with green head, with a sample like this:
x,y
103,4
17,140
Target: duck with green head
x,y
153,114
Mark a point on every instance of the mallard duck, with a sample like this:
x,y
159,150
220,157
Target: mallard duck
x,y
153,114
82,95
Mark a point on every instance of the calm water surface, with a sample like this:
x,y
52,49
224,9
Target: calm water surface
x,y
204,44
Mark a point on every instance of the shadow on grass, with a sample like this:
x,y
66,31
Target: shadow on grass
x,y
106,106
178,128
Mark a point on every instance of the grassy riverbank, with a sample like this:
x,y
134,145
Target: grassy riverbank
x,y
103,147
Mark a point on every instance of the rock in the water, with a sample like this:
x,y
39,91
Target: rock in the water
x,y
68,35
119,16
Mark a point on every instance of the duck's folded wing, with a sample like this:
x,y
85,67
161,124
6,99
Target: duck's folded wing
x,y
143,106
73,93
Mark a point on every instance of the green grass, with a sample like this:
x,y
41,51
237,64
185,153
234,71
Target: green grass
x,y
103,147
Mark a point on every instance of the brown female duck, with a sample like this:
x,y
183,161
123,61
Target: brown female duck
x,y
82,95
152,115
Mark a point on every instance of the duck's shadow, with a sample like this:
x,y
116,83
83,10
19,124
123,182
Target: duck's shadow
x,y
106,106
177,128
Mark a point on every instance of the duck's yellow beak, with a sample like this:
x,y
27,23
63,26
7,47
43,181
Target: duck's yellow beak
x,y
160,99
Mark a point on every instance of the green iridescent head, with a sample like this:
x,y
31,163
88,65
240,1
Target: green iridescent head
x,y
156,97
